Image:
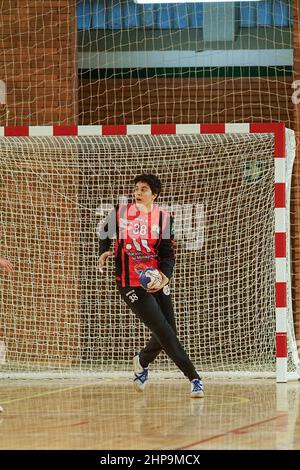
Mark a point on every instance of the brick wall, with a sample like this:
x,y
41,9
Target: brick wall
x,y
38,62
159,100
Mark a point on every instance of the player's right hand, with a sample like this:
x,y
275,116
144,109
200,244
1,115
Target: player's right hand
x,y
6,264
102,259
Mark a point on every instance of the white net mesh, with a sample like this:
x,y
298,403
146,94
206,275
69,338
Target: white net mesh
x,y
116,62
222,62
59,313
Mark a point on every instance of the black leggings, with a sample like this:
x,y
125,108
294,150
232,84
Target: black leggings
x,y
156,312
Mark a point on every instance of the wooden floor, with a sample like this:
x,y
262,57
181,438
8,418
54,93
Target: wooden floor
x,y
110,414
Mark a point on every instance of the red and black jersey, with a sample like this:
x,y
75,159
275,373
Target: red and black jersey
x,y
142,240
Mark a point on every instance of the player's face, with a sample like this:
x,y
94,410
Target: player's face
x,y
143,195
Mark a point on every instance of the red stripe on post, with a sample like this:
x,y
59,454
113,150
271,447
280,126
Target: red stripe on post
x,y
276,128
15,131
212,128
281,345
114,130
163,129
279,195
280,244
280,294
65,130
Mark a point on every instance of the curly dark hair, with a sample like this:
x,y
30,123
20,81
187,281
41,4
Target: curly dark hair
x,y
152,181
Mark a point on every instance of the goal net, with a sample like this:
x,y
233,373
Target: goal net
x,y
59,313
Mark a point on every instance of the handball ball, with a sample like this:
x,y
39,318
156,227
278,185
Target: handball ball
x,y
149,277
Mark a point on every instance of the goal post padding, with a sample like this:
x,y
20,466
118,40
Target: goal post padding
x,y
222,183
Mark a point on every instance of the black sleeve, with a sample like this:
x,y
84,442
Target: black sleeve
x,y
108,231
166,248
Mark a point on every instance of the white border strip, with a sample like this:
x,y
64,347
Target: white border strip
x,y
237,128
281,370
89,130
38,131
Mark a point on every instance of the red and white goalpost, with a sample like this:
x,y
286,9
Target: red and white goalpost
x,y
50,325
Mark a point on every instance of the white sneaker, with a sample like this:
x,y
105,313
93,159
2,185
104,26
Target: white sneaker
x,y
140,374
197,389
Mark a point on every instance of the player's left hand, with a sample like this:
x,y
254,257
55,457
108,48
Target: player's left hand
x,y
159,286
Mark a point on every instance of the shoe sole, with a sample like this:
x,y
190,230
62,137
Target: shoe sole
x,y
197,395
139,387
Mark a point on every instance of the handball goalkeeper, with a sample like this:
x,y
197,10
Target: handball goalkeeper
x,y
145,239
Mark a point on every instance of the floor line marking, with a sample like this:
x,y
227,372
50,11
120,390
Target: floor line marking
x,y
50,392
231,431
